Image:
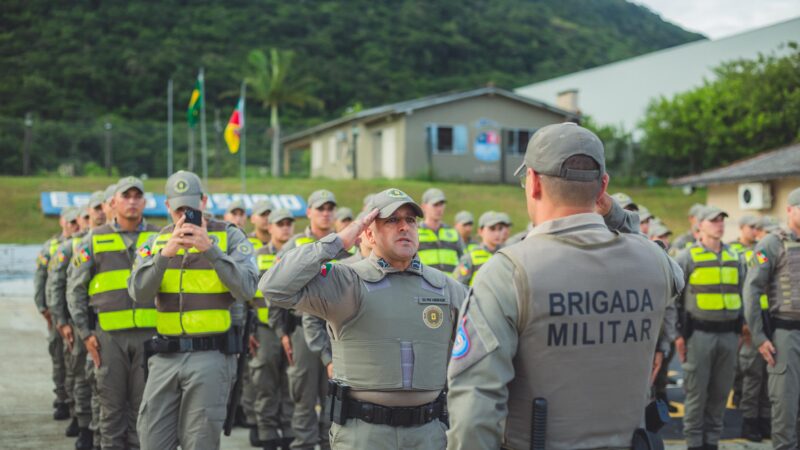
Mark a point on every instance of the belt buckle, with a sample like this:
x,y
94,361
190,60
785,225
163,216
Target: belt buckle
x,y
367,412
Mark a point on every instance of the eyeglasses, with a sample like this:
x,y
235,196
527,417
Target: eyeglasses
x,y
522,176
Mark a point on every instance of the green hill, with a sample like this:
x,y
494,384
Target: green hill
x,y
75,65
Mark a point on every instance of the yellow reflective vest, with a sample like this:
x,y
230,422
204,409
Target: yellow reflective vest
x,y
440,249
478,257
108,288
265,259
192,300
714,282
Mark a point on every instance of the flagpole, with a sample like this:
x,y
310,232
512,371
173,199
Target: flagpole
x,y
203,141
243,137
169,128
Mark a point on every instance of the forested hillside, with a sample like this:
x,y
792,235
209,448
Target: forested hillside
x,y
77,64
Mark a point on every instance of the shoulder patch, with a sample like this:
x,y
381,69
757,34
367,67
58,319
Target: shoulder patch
x,y
761,257
461,344
473,341
326,269
145,251
82,256
246,248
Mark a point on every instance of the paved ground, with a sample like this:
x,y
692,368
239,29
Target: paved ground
x,y
26,389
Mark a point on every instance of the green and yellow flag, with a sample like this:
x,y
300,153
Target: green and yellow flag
x,y
195,103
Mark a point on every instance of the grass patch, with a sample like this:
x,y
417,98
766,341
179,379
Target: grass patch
x,y
23,221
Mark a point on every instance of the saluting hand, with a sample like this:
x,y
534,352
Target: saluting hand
x,y
604,204
351,233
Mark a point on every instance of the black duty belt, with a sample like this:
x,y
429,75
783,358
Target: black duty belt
x,y
710,326
341,408
784,324
165,344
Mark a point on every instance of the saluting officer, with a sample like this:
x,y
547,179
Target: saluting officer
x,y
200,277
550,318
68,221
273,404
774,278
391,319
710,328
440,246
492,228
97,280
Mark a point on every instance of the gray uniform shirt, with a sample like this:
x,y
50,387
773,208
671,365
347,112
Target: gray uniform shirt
x,y
236,269
478,419
40,276
57,280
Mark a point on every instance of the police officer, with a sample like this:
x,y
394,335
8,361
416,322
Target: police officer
x,y
747,237
343,218
625,201
774,278
236,214
765,226
710,327
391,319
200,277
273,404
97,279
68,221
645,218
463,222
492,227
658,231
78,388
261,224
308,381
440,246
687,239
549,318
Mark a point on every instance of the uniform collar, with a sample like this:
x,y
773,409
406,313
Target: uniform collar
x,y
569,223
385,267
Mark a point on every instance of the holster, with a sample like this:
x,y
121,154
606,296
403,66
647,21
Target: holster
x,y
686,326
656,415
336,402
646,440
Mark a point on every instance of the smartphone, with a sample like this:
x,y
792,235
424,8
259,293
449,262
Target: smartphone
x,y
193,216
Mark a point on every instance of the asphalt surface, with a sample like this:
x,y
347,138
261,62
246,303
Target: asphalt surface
x,y
26,420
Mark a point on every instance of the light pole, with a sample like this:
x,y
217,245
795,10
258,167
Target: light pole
x,y
354,152
26,146
107,127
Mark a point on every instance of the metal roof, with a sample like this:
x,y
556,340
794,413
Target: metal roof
x,y
408,106
780,163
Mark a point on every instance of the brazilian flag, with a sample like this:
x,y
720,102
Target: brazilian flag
x,y
195,103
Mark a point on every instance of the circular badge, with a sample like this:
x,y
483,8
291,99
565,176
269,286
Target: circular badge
x,y
181,186
433,316
246,249
396,193
461,344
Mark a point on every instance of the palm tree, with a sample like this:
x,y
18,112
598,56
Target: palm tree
x,y
271,85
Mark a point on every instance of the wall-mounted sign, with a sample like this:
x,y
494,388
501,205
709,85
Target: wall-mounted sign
x,y
487,146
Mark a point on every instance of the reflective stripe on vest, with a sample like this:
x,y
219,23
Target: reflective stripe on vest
x,y
193,300
764,301
108,288
478,257
739,248
257,244
715,283
439,250
265,261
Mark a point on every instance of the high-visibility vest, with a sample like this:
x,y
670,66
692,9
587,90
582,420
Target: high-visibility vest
x,y
265,261
439,249
739,248
715,281
478,257
257,244
43,260
192,300
108,288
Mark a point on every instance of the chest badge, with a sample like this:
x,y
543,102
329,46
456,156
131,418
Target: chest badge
x,y
433,316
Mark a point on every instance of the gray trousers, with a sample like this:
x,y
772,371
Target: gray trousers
x,y
356,433
754,403
120,383
248,398
185,400
55,346
784,388
94,425
273,405
708,378
78,388
308,385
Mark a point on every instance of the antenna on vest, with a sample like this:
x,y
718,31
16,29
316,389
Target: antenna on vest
x,y
538,423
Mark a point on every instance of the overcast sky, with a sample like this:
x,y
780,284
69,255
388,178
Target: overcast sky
x,y
720,18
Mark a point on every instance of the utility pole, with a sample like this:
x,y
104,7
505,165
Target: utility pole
x,y
203,140
108,148
169,128
217,149
26,146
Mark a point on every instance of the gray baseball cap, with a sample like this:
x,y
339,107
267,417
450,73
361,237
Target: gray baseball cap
x,y
320,197
108,194
694,210
344,214
280,214
464,217
794,197
625,201
644,214
658,229
711,213
768,223
261,207
389,200
97,198
749,220
129,183
367,199
552,145
504,218
491,218
70,213
433,196
83,211
184,189
234,205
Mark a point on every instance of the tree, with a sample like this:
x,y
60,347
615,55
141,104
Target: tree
x,y
274,88
751,106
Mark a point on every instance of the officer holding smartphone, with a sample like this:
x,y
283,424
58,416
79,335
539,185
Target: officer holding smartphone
x,y
200,272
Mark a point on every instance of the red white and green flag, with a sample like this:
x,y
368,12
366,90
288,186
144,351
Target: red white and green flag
x,y
234,128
